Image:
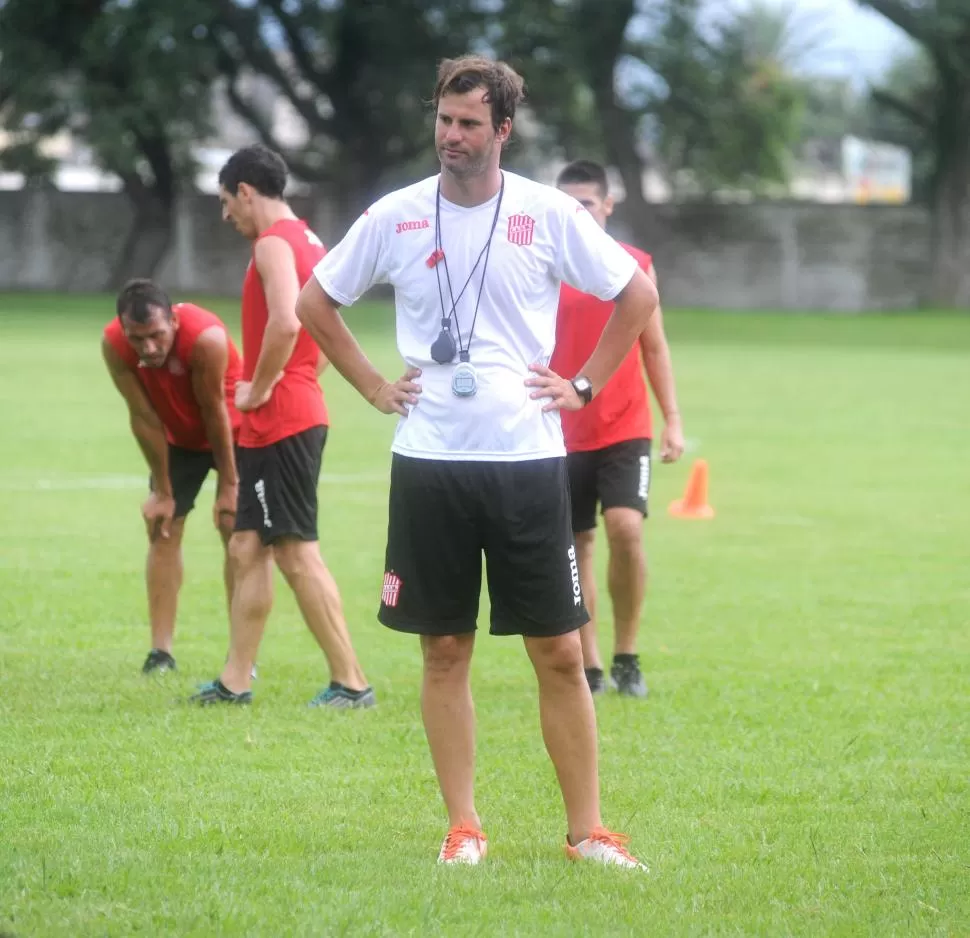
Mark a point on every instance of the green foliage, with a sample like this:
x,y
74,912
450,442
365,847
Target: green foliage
x,y
609,79
128,79
729,111
359,74
543,41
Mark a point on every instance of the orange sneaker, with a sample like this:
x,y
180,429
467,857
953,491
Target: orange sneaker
x,y
603,846
464,844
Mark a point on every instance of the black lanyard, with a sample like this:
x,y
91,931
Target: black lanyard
x,y
443,349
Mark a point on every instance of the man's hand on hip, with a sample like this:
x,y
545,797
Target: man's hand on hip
x,y
560,391
396,397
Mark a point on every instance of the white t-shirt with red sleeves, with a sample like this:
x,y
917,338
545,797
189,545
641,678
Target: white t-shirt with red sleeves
x,y
543,237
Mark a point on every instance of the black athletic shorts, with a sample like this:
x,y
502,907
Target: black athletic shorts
x,y
187,471
443,515
616,476
278,486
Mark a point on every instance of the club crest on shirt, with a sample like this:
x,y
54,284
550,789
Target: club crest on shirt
x,y
521,228
176,367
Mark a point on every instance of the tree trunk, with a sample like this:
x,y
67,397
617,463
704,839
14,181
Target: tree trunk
x,y
600,29
950,207
621,152
149,238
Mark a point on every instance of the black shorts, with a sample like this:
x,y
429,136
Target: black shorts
x,y
616,476
278,486
187,471
443,515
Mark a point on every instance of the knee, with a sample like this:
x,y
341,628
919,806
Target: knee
x,y
244,550
626,537
560,656
446,655
167,546
297,560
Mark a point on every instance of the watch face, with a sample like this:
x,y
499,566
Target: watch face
x,y
584,388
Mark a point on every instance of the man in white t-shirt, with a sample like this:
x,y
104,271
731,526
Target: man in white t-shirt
x,y
476,257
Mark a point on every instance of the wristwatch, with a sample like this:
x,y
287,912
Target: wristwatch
x,y
583,387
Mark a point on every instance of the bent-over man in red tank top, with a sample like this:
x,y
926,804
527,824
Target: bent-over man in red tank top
x,y
281,440
608,445
176,368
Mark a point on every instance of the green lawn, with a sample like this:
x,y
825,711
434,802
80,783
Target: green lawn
x,y
800,768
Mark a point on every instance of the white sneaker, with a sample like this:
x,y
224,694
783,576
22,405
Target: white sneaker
x,y
464,844
603,846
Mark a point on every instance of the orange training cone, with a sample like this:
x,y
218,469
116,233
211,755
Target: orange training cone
x,y
694,503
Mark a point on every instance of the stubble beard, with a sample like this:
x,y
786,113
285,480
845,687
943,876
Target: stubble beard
x,y
471,167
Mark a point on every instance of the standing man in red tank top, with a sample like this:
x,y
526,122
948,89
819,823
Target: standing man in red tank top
x,y
608,446
284,428
177,368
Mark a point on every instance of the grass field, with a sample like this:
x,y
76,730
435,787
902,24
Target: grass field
x,y
800,768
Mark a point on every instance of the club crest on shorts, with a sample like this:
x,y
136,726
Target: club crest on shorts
x,y
392,589
521,228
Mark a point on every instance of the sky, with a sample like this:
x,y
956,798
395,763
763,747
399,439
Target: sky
x,y
863,42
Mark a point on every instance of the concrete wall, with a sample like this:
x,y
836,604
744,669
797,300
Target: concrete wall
x,y
789,255
772,256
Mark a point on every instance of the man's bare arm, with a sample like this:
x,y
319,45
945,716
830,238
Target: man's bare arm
x,y
636,304
320,317
657,362
209,361
146,426
277,269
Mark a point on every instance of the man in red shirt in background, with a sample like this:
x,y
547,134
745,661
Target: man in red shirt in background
x,y
281,440
608,446
176,368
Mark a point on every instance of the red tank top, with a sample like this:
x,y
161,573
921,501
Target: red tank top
x,y
296,403
621,411
169,388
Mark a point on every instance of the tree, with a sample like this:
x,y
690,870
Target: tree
x,y
910,82
638,84
729,111
358,72
129,79
937,107
569,53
